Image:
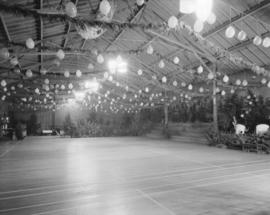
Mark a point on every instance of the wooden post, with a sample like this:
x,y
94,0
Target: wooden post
x,y
166,118
215,108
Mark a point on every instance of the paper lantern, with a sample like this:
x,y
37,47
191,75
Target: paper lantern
x,y
263,81
66,74
238,82
257,40
140,72
211,18
60,54
70,86
30,43
201,90
100,59
5,89
190,87
172,22
78,73
210,76
225,78
175,83
105,7
232,91
14,61
230,32
29,73
150,50
90,66
176,60
4,53
43,71
140,2
3,98
223,93
200,69
266,42
3,83
20,85
268,85
146,89
198,26
183,84
242,35
164,79
46,81
47,88
70,9
245,83
161,64
154,77
37,91
63,87
106,75
187,6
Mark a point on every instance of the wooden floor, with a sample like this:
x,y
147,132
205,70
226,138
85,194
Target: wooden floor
x,y
128,176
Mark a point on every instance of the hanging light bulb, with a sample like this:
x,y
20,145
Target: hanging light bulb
x,y
172,22
230,32
190,87
242,35
183,84
90,66
223,93
176,60
46,81
140,72
232,91
198,26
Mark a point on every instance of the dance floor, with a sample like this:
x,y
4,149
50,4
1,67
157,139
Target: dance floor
x,y
130,176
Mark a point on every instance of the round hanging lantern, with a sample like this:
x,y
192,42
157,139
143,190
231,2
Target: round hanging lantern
x,y
242,35
268,85
211,18
110,78
78,73
29,73
140,2
263,81
161,64
150,50
210,76
3,98
5,89
201,89
140,91
4,53
154,77
172,22
266,42
46,81
245,83
20,85
60,54
183,84
230,32
104,7
100,59
3,83
30,43
200,69
70,9
37,91
140,72
17,70
176,60
190,87
63,87
223,93
175,83
146,89
217,90
187,6
225,78
117,84
90,66
198,26
232,91
70,86
66,74
164,79
43,71
47,88
14,61
238,82
257,40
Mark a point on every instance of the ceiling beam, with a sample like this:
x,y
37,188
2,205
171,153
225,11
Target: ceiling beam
x,y
239,17
40,22
5,28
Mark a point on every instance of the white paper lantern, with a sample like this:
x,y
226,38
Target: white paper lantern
x,y
238,82
164,79
198,26
242,35
190,87
43,71
14,61
211,18
37,91
201,90
140,72
5,89
63,87
46,81
268,85
225,78
30,43
172,22
187,6
90,66
66,74
266,42
154,77
146,89
223,93
47,88
3,98
105,7
78,73
210,76
150,50
257,40
230,32
70,86
20,85
183,84
175,83
263,81
245,83
106,75
176,60
3,83
70,9
161,64
232,91
60,54
100,59
29,73
200,69
140,2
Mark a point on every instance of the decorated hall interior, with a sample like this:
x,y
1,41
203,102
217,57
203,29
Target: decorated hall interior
x,y
134,107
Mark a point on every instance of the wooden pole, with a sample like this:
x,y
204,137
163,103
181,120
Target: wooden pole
x,y
215,108
166,118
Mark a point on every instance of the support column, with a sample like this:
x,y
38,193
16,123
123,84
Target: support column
x,y
166,117
215,108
